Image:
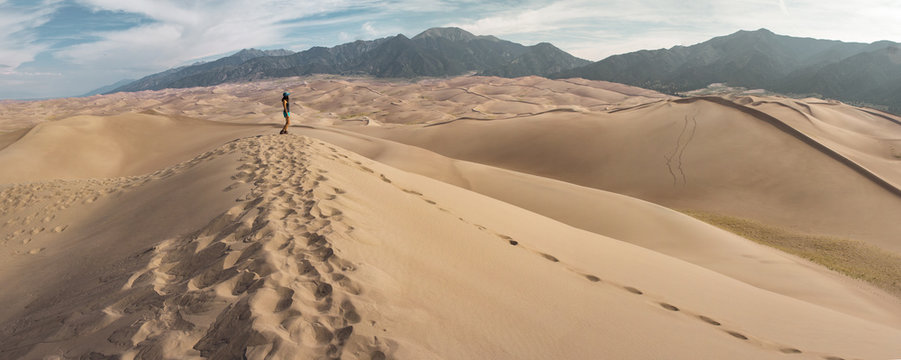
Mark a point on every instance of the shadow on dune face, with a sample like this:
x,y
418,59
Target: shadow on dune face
x,y
782,126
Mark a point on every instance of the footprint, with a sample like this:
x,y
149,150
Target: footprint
x,y
243,282
60,228
385,179
709,320
833,358
790,350
514,242
592,278
319,333
412,192
323,289
669,307
232,187
35,251
343,333
633,290
286,298
550,257
349,312
430,202
737,335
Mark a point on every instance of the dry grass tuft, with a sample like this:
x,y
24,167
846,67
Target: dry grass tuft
x,y
850,257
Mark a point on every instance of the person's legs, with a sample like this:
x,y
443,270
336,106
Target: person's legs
x,y
287,122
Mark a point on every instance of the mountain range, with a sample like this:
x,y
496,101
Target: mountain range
x,y
434,52
859,73
868,74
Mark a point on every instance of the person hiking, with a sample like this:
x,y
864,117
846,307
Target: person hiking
x,y
286,110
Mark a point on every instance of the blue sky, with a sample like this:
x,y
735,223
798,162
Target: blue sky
x,y
57,48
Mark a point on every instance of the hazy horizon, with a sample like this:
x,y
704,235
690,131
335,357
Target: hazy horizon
x,y
60,48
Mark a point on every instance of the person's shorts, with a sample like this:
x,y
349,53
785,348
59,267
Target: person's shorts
x,y
286,113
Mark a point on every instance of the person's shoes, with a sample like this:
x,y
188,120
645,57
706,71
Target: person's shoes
x,y
283,131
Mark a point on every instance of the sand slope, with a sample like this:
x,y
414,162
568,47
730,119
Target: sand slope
x,y
174,224
637,222
105,146
326,253
688,155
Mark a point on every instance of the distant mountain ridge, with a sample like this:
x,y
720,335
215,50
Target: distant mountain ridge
x,y
854,72
107,88
172,77
859,73
434,52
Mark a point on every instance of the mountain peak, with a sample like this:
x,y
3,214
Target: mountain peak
x,y
247,54
249,51
759,33
449,33
545,46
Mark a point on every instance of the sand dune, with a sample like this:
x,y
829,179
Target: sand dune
x,y
89,146
174,224
320,257
698,155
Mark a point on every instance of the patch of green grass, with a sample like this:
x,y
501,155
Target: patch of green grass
x,y
853,258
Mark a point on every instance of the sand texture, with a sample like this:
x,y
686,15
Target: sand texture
x,y
463,218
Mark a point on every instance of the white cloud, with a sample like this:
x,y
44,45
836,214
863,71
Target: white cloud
x,y
183,31
175,32
783,7
597,29
18,42
369,29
